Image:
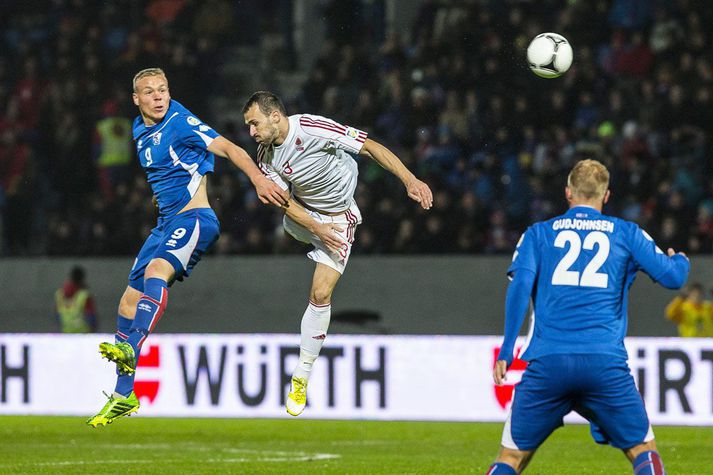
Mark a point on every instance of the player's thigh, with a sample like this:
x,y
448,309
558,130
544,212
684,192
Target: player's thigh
x,y
614,406
145,255
186,238
540,402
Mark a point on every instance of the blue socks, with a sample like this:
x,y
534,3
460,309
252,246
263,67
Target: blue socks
x,y
648,463
499,468
124,382
123,326
149,309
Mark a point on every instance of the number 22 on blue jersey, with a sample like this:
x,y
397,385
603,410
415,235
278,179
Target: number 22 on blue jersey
x,y
590,276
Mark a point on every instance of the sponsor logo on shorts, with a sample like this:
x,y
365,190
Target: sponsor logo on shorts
x,y
320,337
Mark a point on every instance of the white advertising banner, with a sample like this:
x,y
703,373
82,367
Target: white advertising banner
x,y
356,376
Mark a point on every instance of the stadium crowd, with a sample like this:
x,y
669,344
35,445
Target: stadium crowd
x,y
453,97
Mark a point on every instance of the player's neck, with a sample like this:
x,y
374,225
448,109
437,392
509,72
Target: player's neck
x,y
283,130
148,122
587,204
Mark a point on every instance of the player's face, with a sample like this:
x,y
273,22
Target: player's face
x,y
262,127
152,97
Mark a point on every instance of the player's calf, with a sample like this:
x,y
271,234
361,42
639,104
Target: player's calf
x,y
149,309
648,463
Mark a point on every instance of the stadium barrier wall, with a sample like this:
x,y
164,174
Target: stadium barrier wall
x,y
457,295
356,377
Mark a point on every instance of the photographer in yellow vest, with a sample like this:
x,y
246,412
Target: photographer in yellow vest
x,y
74,305
692,314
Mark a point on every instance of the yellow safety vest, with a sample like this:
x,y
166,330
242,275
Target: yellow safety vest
x,y
115,133
71,311
694,320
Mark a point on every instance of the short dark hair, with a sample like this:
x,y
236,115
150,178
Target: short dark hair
x,y
266,101
76,275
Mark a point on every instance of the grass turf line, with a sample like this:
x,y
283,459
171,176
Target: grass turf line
x,y
64,445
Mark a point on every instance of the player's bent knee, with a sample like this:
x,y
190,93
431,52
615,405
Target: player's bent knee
x,y
321,295
637,450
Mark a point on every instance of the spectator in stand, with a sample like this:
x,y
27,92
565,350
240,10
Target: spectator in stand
x,y
458,68
113,142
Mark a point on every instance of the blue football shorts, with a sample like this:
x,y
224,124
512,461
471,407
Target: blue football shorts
x,y
598,387
181,240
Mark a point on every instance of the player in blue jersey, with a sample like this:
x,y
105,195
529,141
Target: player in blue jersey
x,y
577,269
177,152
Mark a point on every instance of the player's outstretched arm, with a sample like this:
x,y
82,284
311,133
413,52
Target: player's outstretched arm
x,y
267,190
416,189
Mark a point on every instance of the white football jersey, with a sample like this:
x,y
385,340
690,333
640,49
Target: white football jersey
x,y
313,162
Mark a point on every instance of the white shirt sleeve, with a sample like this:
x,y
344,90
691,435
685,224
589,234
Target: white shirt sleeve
x,y
269,170
344,137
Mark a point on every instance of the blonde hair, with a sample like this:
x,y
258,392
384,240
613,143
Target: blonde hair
x,y
147,72
589,180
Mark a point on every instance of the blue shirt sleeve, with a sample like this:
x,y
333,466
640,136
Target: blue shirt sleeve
x,y
670,272
517,301
525,255
522,273
195,133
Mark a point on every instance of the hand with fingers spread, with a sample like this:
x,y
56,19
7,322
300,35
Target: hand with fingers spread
x,y
270,192
420,193
328,233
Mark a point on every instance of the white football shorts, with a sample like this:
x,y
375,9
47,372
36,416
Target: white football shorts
x,y
347,220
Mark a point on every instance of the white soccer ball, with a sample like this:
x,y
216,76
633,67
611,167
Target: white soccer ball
x,y
549,55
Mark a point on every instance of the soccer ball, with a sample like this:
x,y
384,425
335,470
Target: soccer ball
x,y
549,55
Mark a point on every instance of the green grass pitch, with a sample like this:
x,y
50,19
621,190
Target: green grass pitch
x,y
34,445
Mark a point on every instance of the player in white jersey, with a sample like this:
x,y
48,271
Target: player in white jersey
x,y
309,155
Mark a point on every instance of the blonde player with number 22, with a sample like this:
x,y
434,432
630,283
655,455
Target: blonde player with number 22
x,y
310,156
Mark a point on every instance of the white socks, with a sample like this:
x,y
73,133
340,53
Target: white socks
x,y
315,323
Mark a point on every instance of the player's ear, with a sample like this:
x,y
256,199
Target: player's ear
x,y
606,197
136,98
275,116
568,193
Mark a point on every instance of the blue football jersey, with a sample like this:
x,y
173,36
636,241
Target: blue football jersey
x,y
584,264
174,154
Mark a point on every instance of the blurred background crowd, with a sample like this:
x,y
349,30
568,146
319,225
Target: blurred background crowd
x,y
451,95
